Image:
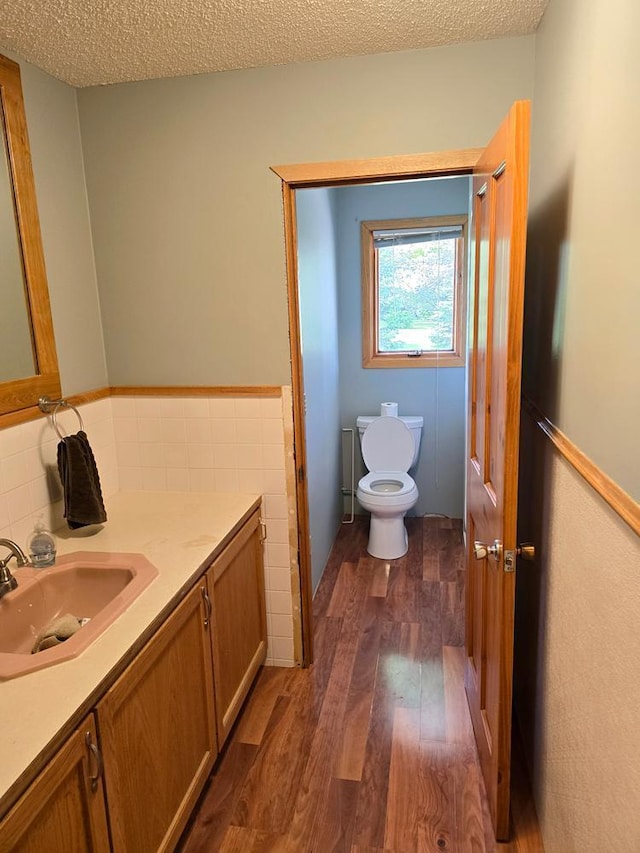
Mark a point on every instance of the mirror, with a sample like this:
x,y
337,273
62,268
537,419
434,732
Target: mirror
x,y
28,362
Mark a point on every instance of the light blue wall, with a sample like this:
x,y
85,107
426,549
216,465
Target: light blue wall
x,y
319,324
438,394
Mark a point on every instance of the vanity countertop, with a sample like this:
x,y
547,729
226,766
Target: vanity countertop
x,y
180,533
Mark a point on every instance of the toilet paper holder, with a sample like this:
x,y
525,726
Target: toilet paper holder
x,y
352,490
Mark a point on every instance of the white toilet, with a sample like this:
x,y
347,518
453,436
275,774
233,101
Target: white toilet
x,y
390,448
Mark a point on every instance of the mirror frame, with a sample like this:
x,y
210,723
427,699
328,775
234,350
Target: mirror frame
x,y
18,394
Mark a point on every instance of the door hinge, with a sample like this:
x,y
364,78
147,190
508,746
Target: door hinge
x,y
301,474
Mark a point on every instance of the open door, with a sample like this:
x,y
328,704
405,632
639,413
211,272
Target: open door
x,y
298,176
496,313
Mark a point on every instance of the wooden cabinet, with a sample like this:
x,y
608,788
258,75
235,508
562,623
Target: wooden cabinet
x,y
64,810
156,724
238,621
157,732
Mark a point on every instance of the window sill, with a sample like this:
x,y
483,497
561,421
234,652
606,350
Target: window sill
x,y
401,360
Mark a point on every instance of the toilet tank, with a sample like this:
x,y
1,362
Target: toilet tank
x,y
414,422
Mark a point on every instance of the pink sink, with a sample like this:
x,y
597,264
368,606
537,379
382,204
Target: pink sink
x,y
94,586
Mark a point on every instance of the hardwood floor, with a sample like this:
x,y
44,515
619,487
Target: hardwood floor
x,y
371,749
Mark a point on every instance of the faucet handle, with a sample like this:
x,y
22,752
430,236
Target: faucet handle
x,y
7,580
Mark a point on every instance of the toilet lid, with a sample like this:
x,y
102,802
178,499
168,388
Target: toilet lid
x,y
387,445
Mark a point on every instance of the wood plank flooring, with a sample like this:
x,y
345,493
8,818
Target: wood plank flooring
x,y
371,749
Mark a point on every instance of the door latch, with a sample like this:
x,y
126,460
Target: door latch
x,y
527,551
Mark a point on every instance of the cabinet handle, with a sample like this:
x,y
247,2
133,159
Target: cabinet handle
x,y
263,531
207,605
97,755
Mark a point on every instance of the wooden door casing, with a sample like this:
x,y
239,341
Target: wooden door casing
x,y
495,359
299,176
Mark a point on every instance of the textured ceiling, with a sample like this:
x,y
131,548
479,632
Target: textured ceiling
x,y
90,42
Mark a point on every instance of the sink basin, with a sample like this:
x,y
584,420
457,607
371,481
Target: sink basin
x,y
94,586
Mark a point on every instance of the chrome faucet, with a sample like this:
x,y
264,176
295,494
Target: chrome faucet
x,y
7,580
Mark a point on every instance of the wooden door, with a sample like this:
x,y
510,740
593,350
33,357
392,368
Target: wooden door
x,y
64,810
498,250
238,622
157,732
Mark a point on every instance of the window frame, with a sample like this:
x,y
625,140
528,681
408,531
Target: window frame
x,y
371,356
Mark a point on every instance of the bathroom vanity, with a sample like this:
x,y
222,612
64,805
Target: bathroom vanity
x,y
110,751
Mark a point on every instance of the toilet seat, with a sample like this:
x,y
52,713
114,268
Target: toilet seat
x,y
375,483
387,445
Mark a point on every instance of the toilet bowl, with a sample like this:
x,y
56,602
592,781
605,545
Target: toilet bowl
x,y
389,449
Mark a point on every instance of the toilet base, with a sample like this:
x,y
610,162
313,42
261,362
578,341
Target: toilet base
x,y
388,539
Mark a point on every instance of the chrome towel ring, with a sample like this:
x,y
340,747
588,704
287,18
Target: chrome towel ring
x,y
51,407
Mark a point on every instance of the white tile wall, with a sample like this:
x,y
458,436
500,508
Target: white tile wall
x,y
221,444
29,482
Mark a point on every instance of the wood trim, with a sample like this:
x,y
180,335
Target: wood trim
x,y
88,397
292,514
620,501
371,357
369,306
32,413
299,433
426,360
195,390
300,175
20,393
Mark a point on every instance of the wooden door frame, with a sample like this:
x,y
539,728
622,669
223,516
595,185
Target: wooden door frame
x,y
334,174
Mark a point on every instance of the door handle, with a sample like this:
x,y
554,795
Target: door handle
x,y
94,751
481,550
207,606
527,551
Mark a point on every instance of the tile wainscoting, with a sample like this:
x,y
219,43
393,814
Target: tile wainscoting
x,y
217,443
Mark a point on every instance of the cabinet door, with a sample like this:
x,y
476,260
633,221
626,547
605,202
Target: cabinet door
x,y
63,811
157,732
239,622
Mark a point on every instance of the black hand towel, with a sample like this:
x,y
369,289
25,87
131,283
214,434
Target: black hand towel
x,y
83,504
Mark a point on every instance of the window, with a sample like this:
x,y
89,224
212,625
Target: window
x,y
413,292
